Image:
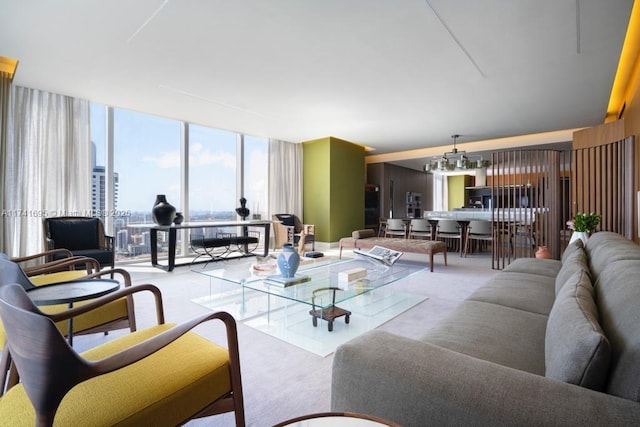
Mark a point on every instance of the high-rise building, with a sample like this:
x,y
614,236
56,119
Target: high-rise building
x,y
98,185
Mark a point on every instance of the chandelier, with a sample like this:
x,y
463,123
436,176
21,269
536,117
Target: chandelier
x,y
456,160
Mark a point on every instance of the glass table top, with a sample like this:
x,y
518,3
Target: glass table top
x,y
321,275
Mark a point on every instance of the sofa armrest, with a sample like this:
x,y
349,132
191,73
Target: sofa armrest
x,y
412,382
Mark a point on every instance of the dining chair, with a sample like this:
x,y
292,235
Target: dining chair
x,y
420,228
449,231
163,375
395,227
478,231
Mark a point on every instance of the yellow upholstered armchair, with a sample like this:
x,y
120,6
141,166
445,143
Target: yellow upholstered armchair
x,y
161,376
117,315
287,228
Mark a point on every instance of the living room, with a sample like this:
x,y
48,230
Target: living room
x,y
212,137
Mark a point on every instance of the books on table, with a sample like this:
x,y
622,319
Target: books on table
x,y
384,255
280,280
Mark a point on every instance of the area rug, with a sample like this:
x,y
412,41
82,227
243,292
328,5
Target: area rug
x,y
292,323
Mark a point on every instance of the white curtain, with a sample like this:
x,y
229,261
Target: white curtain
x,y
5,92
46,166
440,192
285,178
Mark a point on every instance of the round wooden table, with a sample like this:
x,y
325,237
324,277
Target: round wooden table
x,y
70,292
334,419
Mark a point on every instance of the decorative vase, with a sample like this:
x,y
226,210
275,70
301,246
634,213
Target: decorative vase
x,y
582,235
288,261
163,212
543,253
178,219
242,210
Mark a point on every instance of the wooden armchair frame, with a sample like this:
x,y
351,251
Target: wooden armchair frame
x,y
48,264
290,234
37,351
92,271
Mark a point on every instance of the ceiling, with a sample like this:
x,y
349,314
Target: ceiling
x,y
393,75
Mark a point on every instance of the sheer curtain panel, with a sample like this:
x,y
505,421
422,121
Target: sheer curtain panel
x,y
47,165
440,192
285,182
5,91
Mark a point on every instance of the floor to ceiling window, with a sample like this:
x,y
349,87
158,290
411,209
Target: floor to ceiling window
x,y
212,174
256,163
146,153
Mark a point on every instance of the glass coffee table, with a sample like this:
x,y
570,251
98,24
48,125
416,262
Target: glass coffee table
x,y
284,312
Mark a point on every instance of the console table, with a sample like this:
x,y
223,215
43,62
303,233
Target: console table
x,y
172,230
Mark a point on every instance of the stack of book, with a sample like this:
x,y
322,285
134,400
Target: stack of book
x,y
280,280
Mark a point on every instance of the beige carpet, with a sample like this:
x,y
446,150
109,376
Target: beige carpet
x,y
280,380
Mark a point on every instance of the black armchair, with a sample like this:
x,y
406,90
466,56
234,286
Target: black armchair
x,y
83,236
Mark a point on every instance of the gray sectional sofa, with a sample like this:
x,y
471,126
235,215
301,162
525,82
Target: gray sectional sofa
x,y
544,342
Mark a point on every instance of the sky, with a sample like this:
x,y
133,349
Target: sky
x,y
147,160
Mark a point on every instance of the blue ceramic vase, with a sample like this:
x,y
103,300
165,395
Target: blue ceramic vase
x,y
288,261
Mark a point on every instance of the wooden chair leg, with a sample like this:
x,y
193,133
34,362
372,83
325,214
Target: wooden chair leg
x,y
5,362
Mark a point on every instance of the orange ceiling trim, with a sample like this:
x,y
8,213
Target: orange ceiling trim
x,y
628,68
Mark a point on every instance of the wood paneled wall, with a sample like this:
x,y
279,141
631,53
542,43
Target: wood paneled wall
x,y
531,203
603,181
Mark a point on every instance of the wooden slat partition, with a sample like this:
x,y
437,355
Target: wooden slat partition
x,y
530,203
603,181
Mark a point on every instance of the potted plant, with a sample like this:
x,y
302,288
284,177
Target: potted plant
x,y
583,224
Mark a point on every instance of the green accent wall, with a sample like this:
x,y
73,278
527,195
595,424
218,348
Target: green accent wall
x,y
333,188
457,192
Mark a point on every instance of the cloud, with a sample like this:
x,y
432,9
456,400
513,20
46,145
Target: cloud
x,y
200,156
167,160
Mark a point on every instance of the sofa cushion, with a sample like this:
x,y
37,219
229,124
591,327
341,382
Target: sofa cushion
x,y
363,234
75,234
540,267
523,291
577,260
287,219
498,334
576,349
606,247
617,293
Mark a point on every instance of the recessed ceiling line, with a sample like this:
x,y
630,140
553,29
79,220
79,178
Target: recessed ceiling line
x,y
145,23
578,41
455,39
212,101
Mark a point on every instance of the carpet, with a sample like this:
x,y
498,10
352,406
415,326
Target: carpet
x,y
292,323
280,380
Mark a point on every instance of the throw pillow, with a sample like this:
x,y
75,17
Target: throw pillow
x,y
576,349
573,247
287,220
574,262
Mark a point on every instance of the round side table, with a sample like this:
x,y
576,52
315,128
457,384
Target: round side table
x,y
333,419
70,292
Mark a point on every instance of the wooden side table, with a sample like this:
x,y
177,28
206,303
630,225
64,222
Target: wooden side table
x,y
70,292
